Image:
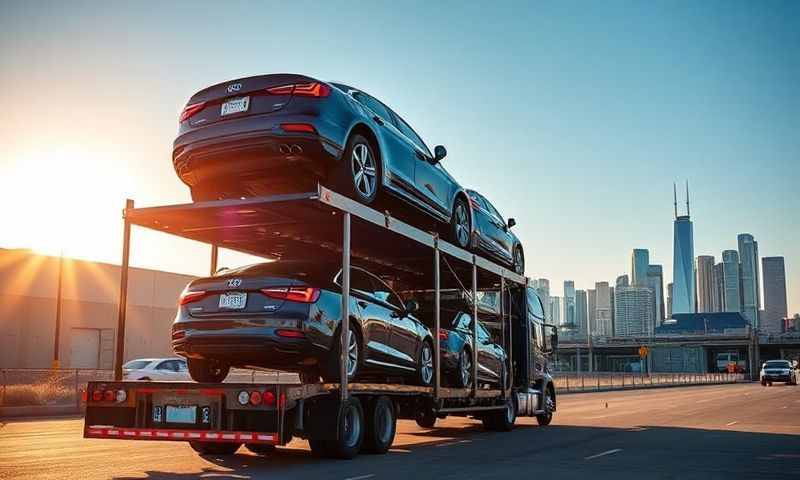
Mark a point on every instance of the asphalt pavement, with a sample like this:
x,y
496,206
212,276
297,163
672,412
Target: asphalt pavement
x,y
724,431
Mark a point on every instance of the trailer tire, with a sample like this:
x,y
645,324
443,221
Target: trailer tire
x,y
212,448
381,425
425,417
260,448
349,435
502,420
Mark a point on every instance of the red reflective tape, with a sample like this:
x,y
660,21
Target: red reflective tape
x,y
170,434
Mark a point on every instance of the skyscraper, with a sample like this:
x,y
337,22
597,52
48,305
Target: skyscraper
x,y
751,297
555,310
655,280
719,287
542,288
581,312
705,284
640,260
634,311
669,300
622,281
775,309
683,288
603,310
591,311
569,305
730,271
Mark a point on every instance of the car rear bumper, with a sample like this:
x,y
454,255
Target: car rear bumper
x,y
253,147
263,349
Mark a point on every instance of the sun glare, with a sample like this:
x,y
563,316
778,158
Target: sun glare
x,y
62,200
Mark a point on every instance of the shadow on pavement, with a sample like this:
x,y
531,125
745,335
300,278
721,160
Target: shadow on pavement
x,y
563,451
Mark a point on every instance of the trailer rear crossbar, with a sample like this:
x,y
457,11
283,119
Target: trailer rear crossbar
x,y
100,431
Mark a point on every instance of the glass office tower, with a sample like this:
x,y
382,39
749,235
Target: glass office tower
x,y
683,281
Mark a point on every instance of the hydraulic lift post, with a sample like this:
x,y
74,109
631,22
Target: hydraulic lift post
x,y
437,299
119,354
345,330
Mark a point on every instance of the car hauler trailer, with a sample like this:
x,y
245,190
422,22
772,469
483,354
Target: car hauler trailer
x,y
338,419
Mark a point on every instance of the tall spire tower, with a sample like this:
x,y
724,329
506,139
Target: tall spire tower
x,y
683,288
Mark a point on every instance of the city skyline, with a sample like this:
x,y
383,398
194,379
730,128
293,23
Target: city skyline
x,y
729,132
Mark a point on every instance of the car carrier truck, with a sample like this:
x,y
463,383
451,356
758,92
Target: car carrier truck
x,y
338,419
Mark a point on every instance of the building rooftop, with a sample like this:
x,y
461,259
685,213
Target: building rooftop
x,y
701,322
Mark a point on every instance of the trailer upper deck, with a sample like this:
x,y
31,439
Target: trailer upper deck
x,y
309,225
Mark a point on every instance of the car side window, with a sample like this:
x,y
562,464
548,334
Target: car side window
x,y
464,322
359,280
493,210
374,105
409,132
385,293
167,365
483,335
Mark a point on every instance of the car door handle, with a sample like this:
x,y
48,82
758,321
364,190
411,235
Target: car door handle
x,y
378,120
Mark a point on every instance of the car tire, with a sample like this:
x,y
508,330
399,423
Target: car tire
x,y
763,383
460,224
358,173
425,364
207,371
463,376
381,425
519,261
330,371
212,448
260,448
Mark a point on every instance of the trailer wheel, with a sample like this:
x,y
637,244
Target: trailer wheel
x,y
349,433
425,417
260,448
211,448
381,423
502,420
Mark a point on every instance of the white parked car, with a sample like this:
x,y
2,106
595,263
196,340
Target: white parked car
x,y
169,369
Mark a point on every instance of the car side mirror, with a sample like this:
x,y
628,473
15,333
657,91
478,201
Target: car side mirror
x,y
439,152
412,306
511,222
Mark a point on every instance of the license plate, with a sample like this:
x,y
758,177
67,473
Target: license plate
x,y
233,301
235,105
181,414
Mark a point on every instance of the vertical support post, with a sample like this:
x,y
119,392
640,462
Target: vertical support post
x,y
214,258
578,359
437,299
77,390
345,330
474,328
57,336
123,292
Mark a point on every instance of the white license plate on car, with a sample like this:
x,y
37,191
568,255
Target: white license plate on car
x,y
233,301
181,414
235,105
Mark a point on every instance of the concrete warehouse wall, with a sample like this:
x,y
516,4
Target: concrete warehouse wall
x,y
90,292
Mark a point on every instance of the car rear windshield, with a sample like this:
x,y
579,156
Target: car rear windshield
x,y
136,364
316,272
778,364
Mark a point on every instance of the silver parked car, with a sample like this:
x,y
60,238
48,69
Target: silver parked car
x,y
168,369
778,371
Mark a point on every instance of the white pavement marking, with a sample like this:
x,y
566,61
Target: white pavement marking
x,y
603,454
362,477
731,424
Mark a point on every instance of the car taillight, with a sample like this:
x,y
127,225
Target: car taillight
x,y
268,399
189,297
290,333
443,334
293,294
191,110
313,89
97,395
109,395
255,398
298,127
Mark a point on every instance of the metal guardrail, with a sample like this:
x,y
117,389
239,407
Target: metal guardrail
x,y
588,382
32,387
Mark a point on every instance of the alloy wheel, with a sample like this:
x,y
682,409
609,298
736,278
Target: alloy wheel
x,y
466,369
352,354
426,364
364,170
462,225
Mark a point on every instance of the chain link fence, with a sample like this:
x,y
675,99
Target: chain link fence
x,y
588,382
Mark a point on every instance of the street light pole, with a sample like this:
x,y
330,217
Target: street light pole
x,y
56,354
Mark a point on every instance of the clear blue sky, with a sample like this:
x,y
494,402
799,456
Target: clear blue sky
x,y
573,117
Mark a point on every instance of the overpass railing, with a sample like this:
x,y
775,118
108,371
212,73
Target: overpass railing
x,y
600,381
